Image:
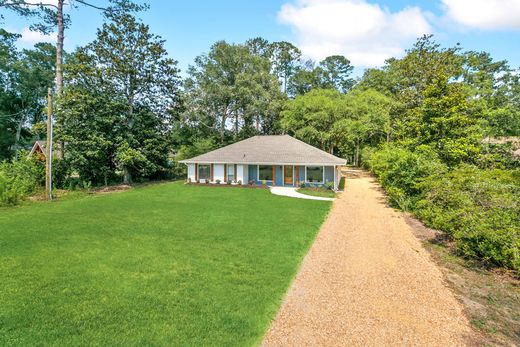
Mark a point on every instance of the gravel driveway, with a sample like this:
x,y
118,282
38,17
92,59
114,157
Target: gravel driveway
x,y
367,281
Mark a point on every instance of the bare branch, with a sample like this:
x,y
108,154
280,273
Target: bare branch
x,y
93,6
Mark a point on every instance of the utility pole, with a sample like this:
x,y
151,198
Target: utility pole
x,y
48,156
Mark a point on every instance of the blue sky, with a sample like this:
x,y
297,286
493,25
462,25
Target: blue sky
x,y
366,31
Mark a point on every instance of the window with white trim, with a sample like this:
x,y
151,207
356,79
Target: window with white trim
x,y
314,174
265,173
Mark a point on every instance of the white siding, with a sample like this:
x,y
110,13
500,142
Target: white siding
x,y
191,172
242,173
218,172
337,171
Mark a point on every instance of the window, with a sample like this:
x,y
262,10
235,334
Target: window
x,y
204,172
315,174
265,173
230,172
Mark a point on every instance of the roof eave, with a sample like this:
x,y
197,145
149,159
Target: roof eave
x,y
189,161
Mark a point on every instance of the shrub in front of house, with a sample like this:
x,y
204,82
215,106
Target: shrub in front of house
x,y
217,181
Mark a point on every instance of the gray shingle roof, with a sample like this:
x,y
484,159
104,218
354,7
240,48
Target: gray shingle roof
x,y
272,149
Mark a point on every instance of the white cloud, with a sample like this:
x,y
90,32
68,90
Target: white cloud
x,y
365,33
33,37
484,14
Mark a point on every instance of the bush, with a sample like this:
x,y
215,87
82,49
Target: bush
x,y
480,209
19,179
401,171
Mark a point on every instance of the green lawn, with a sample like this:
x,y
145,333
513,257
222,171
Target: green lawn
x,y
160,265
322,192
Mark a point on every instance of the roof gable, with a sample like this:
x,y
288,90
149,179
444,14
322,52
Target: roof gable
x,y
268,149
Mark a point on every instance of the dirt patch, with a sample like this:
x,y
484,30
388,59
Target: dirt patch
x,y
111,189
367,280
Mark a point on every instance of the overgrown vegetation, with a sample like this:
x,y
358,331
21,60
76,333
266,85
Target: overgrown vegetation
x,y
437,163
19,178
478,208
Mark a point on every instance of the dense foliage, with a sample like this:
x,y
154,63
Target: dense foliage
x,y
440,162
120,95
19,178
24,78
478,208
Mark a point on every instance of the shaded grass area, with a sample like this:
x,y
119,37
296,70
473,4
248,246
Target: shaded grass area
x,y
322,192
161,265
491,297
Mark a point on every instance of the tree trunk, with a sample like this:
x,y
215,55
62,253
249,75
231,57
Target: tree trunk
x,y
223,125
18,134
59,48
236,125
357,153
127,176
59,59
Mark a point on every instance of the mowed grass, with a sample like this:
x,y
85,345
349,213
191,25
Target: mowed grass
x,y
321,192
168,264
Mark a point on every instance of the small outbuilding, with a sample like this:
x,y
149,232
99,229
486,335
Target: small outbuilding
x,y
274,160
39,150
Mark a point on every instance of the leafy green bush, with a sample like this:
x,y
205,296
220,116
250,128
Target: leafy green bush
x,y
400,172
19,178
480,209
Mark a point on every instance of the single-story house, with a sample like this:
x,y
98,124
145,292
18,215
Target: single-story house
x,y
274,160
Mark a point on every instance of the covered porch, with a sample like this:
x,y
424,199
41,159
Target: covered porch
x,y
284,175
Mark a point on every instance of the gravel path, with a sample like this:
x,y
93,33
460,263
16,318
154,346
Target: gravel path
x,y
367,281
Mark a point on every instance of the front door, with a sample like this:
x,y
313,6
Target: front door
x,y
288,175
